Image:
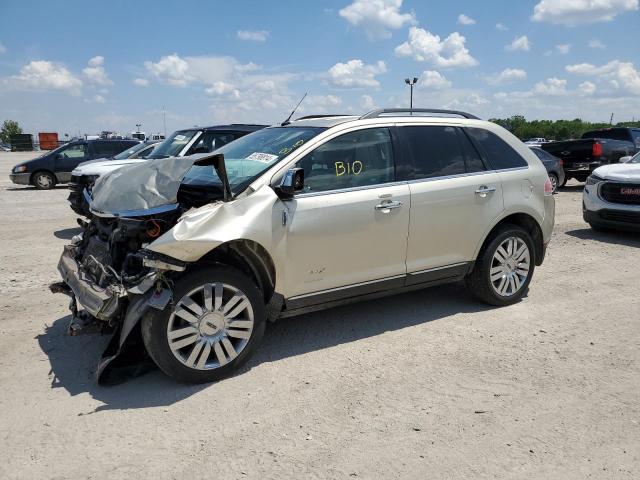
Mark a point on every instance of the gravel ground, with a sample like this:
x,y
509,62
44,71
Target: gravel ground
x,y
428,384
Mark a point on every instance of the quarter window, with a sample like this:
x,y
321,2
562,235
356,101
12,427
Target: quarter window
x,y
355,159
439,151
496,151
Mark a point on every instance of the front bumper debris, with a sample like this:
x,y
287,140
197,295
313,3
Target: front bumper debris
x,y
100,302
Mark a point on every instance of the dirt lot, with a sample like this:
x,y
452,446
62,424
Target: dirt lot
x,y
428,384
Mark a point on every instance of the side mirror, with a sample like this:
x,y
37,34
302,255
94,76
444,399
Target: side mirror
x,y
292,182
625,159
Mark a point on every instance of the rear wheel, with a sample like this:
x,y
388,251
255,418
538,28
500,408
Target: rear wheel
x,y
213,328
504,267
554,182
43,180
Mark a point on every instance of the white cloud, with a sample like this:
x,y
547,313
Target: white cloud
x,y
433,80
367,103
355,73
615,73
551,86
587,88
508,75
3,49
321,104
563,48
465,20
141,82
171,69
99,99
519,43
45,75
576,12
597,44
424,46
223,89
501,27
377,17
253,35
95,72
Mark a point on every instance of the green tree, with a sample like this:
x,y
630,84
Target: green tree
x,y
9,128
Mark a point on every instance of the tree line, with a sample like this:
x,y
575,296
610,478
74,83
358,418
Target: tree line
x,y
552,129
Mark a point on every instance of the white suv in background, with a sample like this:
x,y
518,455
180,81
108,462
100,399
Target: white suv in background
x,y
611,196
312,214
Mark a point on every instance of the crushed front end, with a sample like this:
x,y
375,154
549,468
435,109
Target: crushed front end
x,y
107,273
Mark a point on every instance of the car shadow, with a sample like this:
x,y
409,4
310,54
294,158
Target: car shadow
x,y
73,359
572,188
28,188
67,233
617,237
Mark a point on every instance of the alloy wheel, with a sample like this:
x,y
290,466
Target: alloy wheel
x,y
510,266
210,326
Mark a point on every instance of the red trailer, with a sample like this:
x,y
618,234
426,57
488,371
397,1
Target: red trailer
x,y
48,141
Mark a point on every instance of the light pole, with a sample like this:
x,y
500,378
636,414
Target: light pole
x,y
138,125
411,82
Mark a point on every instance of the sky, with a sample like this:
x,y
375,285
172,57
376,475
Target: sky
x,y
82,66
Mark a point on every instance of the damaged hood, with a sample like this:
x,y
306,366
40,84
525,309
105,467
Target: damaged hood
x,y
134,189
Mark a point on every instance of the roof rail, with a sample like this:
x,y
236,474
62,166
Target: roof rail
x,y
309,117
384,111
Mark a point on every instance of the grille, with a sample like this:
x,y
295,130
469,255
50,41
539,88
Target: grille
x,y
619,216
625,193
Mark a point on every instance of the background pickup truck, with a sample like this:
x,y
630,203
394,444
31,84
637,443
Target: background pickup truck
x,y
595,148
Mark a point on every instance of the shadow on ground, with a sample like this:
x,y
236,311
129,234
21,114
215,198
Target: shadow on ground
x,y
74,359
67,233
27,188
616,237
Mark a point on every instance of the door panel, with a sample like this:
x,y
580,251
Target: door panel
x,y
449,219
345,238
71,157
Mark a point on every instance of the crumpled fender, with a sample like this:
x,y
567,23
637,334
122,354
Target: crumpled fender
x,y
201,230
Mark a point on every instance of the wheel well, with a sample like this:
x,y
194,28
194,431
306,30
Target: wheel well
x,y
249,257
55,179
530,225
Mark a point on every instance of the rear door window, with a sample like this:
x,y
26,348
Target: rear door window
x,y
440,151
498,154
355,159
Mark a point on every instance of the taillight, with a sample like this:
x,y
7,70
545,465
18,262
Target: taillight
x,y
548,188
597,149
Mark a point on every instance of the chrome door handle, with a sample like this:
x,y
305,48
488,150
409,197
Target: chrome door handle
x,y
388,205
483,190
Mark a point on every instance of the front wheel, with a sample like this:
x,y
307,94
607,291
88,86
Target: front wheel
x,y
43,180
504,267
214,326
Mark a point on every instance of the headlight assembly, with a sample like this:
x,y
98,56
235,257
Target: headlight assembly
x,y
20,169
593,180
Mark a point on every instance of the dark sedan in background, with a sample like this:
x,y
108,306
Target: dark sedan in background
x,y
554,168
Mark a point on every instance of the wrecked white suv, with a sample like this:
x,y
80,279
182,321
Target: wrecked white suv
x,y
190,263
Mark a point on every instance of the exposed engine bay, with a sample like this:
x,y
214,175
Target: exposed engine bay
x,y
106,268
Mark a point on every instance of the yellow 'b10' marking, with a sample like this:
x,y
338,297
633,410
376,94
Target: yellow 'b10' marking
x,y
353,168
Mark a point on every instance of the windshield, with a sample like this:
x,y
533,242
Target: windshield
x,y
130,151
246,158
174,144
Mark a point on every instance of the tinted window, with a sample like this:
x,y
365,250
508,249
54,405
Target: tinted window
x,y
209,141
440,151
636,137
109,148
496,151
355,159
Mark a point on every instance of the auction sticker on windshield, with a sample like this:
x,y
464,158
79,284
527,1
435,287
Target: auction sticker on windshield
x,y
262,157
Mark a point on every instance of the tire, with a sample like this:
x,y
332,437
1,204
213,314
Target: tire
x,y
554,182
564,182
43,180
479,280
195,362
